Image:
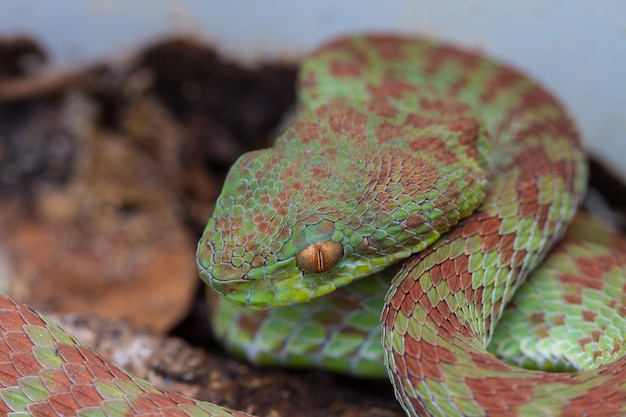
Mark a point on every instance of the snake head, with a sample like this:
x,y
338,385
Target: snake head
x,y
334,201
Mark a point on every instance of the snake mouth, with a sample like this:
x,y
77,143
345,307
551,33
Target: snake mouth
x,y
283,283
275,292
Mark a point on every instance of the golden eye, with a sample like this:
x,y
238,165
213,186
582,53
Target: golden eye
x,y
319,257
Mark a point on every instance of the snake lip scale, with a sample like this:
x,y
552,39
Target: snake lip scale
x,y
403,149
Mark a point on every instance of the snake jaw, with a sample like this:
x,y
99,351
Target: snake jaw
x,y
280,283
259,289
273,283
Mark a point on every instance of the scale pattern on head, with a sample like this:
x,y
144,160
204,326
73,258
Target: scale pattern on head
x,y
321,183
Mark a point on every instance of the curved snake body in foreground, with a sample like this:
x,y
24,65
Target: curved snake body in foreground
x,y
397,142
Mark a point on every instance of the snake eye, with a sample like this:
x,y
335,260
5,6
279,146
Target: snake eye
x,y
319,257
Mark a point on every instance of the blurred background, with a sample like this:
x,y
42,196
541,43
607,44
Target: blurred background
x,y
577,48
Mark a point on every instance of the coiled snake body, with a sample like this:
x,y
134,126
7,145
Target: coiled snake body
x,y
401,148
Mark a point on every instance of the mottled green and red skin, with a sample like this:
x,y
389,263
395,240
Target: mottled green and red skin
x,y
44,372
432,118
396,143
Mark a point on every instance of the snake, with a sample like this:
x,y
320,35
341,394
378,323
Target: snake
x,y
419,197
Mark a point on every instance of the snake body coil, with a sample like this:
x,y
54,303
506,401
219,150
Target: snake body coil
x,y
402,148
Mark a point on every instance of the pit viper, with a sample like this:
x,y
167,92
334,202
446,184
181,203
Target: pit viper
x,y
433,175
